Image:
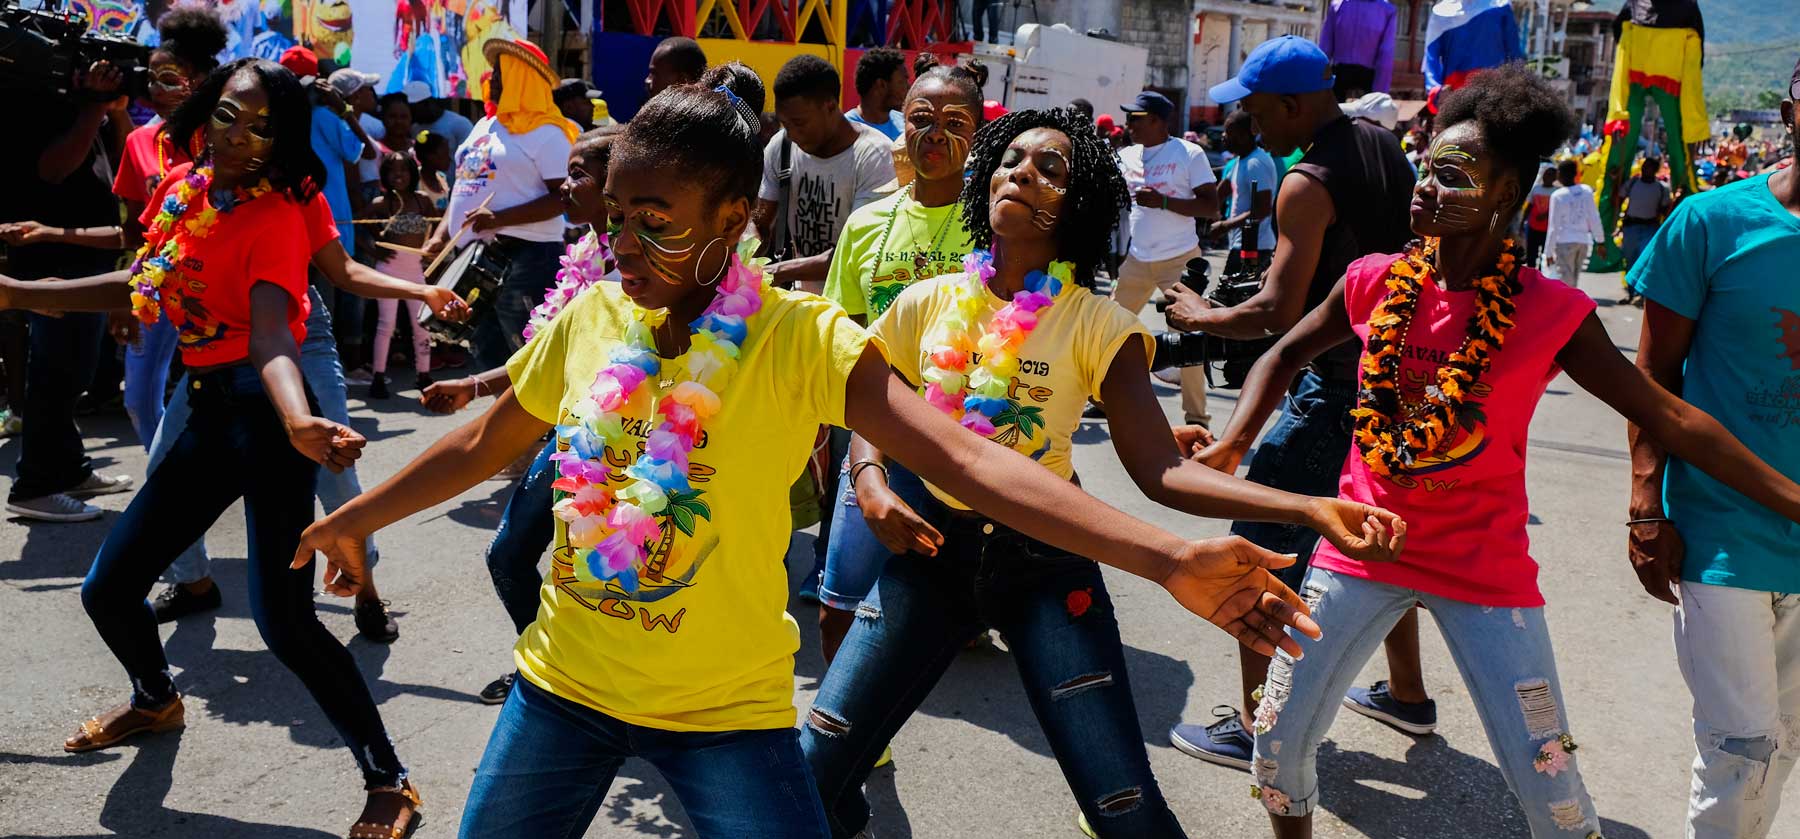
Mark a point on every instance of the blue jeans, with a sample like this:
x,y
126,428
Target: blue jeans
x,y
530,273
1506,662
837,450
1303,454
147,376
525,531
1058,620
550,762
325,378
854,559
64,354
233,447
1636,237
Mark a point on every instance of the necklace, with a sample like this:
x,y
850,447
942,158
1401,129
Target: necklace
x,y
620,535
584,263
166,240
1390,435
975,398
921,258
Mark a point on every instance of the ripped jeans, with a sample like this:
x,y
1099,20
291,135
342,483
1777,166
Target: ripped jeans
x,y
1058,620
1740,654
1506,662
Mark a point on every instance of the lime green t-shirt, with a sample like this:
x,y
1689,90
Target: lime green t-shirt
x,y
705,642
921,243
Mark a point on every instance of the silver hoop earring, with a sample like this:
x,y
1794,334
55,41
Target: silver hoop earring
x,y
1494,223
720,274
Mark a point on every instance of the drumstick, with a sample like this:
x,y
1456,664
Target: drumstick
x,y
432,269
405,248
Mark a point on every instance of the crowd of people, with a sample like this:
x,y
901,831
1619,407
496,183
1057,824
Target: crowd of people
x,y
897,311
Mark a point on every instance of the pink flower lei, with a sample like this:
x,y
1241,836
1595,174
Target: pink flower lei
x,y
584,263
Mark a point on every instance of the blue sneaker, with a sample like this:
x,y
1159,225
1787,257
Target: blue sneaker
x,y
1417,718
1225,742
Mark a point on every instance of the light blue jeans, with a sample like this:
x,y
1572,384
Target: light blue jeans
x,y
1506,662
147,377
325,377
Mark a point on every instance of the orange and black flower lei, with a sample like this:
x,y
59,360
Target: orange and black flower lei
x,y
1390,436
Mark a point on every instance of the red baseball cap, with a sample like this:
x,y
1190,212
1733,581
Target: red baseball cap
x,y
1105,123
992,110
301,61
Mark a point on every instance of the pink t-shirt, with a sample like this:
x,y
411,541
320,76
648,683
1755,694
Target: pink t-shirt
x,y
1464,504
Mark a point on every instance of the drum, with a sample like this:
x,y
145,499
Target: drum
x,y
474,274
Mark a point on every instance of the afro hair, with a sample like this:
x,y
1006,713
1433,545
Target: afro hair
x,y
1522,118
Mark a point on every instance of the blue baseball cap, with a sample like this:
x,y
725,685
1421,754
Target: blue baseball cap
x,y
1287,65
1150,102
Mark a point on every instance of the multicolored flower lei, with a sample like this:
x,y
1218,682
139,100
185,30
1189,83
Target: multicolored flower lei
x,y
584,263
612,531
1391,436
975,398
165,241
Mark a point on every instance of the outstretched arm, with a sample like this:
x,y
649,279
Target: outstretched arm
x,y
277,361
361,280
1326,326
1142,438
1682,430
1224,580
457,461
100,293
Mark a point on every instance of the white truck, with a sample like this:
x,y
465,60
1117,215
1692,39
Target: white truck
x,y
1047,66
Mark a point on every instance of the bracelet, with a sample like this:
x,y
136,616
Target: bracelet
x,y
1652,520
1165,202
476,381
857,467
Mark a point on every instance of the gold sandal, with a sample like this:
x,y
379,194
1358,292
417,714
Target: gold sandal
x,y
391,813
122,722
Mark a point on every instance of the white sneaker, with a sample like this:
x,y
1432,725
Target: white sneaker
x,y
57,507
98,484
1168,376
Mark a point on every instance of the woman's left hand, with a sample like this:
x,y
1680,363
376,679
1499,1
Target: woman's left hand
x,y
334,446
446,304
1192,439
1362,532
1226,580
345,558
21,233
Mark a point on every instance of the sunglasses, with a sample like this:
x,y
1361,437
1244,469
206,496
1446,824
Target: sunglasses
x,y
1794,90
171,81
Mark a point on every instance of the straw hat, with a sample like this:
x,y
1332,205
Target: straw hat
x,y
523,50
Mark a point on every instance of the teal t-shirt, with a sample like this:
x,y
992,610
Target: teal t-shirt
x,y
1726,259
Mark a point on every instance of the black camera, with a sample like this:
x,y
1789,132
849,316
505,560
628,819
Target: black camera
x,y
48,52
1194,349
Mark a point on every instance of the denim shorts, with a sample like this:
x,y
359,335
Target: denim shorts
x,y
1304,454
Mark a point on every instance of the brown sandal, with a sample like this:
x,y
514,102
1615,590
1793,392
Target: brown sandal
x,y
124,721
391,813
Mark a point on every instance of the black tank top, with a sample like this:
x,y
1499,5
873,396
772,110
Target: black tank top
x,y
1361,165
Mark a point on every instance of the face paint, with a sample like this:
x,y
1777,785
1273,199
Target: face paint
x,y
1453,170
954,124
665,251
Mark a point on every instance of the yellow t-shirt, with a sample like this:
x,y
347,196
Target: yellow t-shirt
x,y
920,243
1061,363
705,643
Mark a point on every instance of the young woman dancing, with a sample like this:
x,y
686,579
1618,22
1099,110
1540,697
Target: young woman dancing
x,y
684,399
913,235
1043,193
407,211
1460,339
221,261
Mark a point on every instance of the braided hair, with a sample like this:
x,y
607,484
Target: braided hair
x,y
1096,187
967,78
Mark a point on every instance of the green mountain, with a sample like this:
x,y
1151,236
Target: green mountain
x,y
1751,47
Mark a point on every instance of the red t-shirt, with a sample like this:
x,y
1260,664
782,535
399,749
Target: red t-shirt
x,y
1465,504
148,150
208,299
320,229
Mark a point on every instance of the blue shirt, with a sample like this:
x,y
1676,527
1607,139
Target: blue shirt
x,y
1725,259
890,129
1257,167
337,146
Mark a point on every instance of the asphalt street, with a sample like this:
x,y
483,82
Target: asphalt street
x,y
259,760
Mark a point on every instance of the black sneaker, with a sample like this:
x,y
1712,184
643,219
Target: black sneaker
x,y
374,622
378,386
176,602
496,691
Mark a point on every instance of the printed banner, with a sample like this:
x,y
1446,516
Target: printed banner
x,y
434,41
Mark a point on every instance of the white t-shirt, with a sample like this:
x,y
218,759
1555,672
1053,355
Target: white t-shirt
x,y
1258,169
512,169
370,168
825,190
1574,218
1175,168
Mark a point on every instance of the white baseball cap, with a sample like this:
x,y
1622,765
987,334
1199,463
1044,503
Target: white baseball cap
x,y
348,81
1378,108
